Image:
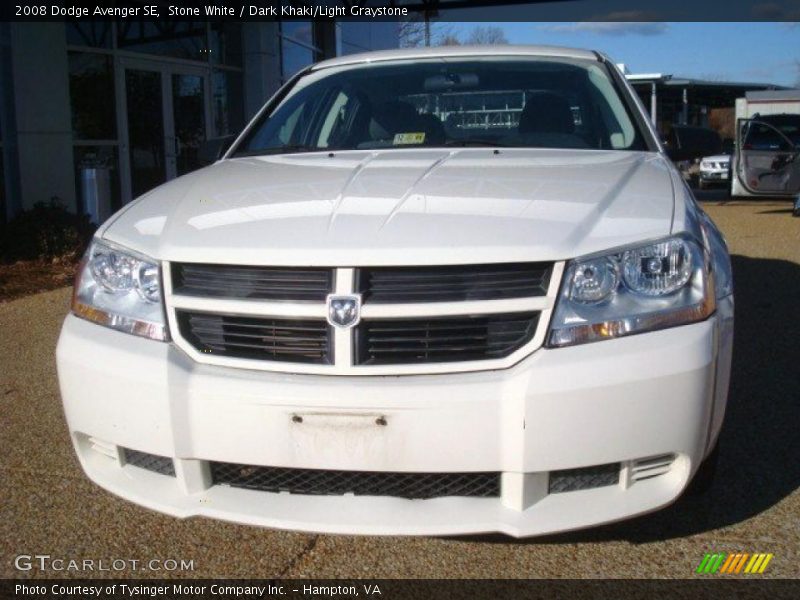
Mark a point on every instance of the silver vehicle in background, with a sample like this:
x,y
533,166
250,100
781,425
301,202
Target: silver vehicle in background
x,y
715,171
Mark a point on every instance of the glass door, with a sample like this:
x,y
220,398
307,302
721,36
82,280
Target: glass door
x,y
145,126
164,122
189,119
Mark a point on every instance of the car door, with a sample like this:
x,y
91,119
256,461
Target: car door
x,y
768,154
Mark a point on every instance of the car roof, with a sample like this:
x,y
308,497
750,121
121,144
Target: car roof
x,y
457,51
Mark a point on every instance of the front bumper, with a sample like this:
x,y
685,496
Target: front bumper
x,y
610,402
719,175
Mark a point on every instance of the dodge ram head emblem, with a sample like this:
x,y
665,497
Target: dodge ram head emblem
x,y
344,311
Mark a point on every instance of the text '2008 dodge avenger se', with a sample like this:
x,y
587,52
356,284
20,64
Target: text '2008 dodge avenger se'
x,y
428,291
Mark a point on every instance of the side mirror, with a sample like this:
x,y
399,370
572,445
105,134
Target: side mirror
x,y
212,150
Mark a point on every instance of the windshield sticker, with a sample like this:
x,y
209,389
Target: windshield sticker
x,y
409,138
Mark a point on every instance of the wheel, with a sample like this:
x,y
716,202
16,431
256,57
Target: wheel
x,y
704,478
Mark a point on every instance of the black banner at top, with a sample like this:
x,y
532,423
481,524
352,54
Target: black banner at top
x,y
435,10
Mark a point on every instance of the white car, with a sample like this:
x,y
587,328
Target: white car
x,y
426,291
715,171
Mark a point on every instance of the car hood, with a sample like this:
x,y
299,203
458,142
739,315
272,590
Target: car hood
x,y
403,207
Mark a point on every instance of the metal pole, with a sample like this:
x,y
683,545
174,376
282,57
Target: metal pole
x,y
653,104
685,112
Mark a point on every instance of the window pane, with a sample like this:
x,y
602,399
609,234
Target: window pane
x,y
188,109
226,44
91,88
145,130
228,104
179,39
294,58
299,31
96,34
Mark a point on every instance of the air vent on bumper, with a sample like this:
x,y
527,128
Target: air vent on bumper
x,y
150,462
359,483
647,468
586,478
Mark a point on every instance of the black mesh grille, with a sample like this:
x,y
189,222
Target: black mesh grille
x,y
586,478
151,462
454,283
445,339
263,338
360,483
267,283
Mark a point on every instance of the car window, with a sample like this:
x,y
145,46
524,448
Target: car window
x,y
508,101
779,132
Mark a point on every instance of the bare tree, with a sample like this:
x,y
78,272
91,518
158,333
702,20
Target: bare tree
x,y
416,32
449,40
489,34
411,33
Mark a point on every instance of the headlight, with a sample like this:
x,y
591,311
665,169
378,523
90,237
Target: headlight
x,y
122,290
632,290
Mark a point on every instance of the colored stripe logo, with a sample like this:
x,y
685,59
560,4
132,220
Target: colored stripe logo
x,y
740,562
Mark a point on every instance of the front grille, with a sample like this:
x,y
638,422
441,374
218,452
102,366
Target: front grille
x,y
263,283
585,478
443,339
359,483
262,338
151,462
453,283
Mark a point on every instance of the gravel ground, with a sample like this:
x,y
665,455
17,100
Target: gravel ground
x,y
47,506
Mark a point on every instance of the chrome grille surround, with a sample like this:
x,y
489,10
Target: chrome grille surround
x,y
343,358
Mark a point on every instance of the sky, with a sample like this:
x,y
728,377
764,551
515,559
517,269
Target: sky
x,y
763,52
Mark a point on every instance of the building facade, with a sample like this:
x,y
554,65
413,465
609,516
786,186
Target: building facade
x,y
100,112
673,100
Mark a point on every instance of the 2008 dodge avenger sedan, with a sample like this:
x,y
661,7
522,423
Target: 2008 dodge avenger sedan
x,y
424,292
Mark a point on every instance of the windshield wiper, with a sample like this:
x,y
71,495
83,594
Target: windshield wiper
x,y
475,142
287,149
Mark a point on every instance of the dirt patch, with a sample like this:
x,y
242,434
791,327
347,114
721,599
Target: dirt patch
x,y
27,277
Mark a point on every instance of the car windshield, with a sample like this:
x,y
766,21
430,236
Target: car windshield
x,y
505,101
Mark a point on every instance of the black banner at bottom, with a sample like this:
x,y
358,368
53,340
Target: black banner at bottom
x,y
418,589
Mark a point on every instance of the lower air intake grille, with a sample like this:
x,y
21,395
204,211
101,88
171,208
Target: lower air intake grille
x,y
586,478
359,483
443,339
263,338
151,462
